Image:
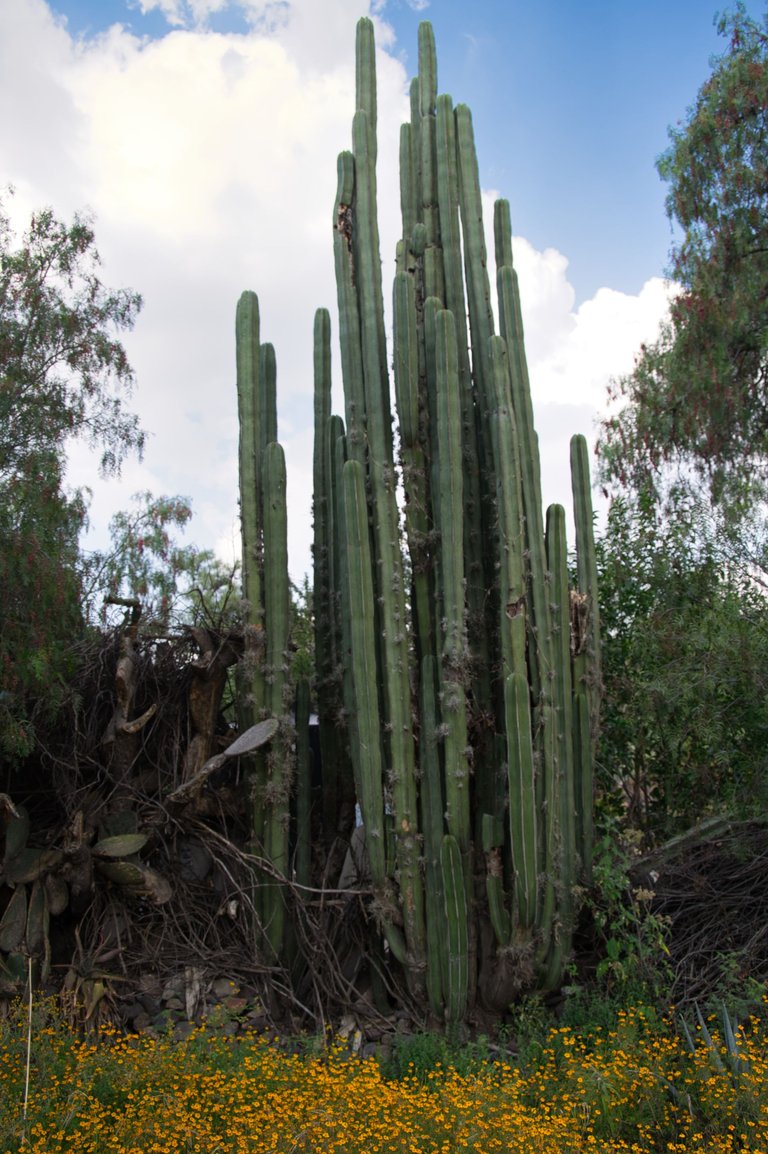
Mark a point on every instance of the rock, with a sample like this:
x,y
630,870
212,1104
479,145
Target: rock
x,y
151,1005
224,988
235,1005
175,987
151,985
131,1010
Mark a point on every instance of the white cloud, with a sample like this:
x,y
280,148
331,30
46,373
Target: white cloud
x,y
604,334
574,353
41,129
209,160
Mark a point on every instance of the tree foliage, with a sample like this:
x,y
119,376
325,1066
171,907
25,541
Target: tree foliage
x,y
686,463
176,584
685,661
697,398
63,374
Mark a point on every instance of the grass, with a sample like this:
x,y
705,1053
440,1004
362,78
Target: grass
x,y
632,1087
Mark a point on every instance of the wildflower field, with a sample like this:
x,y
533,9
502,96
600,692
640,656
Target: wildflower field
x,y
637,1086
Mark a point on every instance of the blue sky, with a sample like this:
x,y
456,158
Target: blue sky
x,y
571,103
203,136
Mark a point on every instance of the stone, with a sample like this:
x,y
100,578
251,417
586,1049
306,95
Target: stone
x,y
224,988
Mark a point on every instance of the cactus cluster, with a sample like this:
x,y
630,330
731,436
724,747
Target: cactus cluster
x,y
457,677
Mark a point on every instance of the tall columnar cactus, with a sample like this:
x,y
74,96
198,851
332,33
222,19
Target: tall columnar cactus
x,y
467,703
252,697
495,757
585,641
249,405
338,792
264,677
279,779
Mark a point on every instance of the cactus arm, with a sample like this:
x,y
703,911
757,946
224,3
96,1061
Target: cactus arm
x,y
417,524
522,800
278,604
302,867
365,79
493,844
349,313
511,325
433,808
324,616
454,670
457,935
586,563
583,783
407,181
509,514
247,358
390,590
475,257
585,642
367,718
557,558
267,399
482,547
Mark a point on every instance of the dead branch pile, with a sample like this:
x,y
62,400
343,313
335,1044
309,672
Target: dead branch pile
x,y
712,886
126,866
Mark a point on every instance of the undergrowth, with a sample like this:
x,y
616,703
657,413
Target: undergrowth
x,y
636,1086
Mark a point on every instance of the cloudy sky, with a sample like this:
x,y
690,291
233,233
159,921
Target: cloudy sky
x,y
203,136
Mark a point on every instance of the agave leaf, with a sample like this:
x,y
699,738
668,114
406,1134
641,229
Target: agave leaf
x,y
120,845
729,1030
123,873
708,1040
13,972
31,864
37,920
156,886
57,892
688,1038
45,969
14,920
138,879
93,992
7,805
16,832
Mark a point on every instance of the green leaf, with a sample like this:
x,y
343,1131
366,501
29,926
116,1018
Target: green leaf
x,y
121,845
